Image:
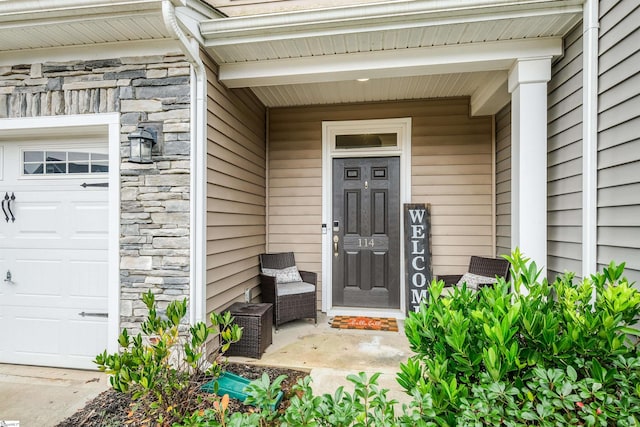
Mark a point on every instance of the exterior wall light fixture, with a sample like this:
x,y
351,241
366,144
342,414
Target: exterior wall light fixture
x,y
141,142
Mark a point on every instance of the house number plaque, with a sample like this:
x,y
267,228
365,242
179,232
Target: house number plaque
x,y
373,243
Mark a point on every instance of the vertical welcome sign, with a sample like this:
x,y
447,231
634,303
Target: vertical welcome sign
x,y
417,253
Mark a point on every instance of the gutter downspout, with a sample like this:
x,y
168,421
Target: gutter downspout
x,y
197,229
590,138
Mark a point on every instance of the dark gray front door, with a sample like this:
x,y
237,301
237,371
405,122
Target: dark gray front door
x,y
366,232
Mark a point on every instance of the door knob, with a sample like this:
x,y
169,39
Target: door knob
x,y
336,239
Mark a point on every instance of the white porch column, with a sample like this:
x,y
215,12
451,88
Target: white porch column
x,y
528,87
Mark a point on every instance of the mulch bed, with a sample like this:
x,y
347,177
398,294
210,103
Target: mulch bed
x,y
111,408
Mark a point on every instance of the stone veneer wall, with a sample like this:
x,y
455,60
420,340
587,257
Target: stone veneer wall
x,y
154,220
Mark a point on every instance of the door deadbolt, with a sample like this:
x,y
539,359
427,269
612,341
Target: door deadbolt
x,y
8,277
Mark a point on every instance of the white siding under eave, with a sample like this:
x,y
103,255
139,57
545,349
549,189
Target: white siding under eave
x,y
503,181
564,160
619,136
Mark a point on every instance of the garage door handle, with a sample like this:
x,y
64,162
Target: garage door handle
x,y
13,197
84,314
6,198
97,184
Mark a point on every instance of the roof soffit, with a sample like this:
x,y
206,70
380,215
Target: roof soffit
x,y
27,25
29,12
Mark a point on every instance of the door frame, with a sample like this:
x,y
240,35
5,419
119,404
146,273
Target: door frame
x,y
400,126
106,125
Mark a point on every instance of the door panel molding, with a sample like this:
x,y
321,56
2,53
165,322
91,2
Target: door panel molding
x,y
331,129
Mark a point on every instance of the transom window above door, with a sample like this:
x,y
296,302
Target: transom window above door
x,y
366,140
57,162
386,137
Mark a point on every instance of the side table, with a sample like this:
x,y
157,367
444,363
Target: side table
x,y
256,321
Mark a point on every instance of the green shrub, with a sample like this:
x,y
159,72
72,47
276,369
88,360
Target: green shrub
x,y
519,353
157,369
542,355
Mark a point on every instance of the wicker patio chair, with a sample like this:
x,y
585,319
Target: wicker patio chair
x,y
292,300
488,267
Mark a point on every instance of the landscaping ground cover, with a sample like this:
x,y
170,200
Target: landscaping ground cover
x,y
112,408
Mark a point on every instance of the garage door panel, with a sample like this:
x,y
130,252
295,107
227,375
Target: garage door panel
x,y
37,219
88,279
89,220
37,334
68,281
3,273
89,340
57,335
35,278
52,227
72,218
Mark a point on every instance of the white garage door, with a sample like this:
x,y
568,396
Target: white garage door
x,y
53,252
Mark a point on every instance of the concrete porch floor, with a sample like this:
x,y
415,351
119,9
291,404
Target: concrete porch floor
x,y
331,354
42,397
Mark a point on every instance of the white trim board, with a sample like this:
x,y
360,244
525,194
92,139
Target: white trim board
x,y
90,52
470,57
401,126
106,125
379,16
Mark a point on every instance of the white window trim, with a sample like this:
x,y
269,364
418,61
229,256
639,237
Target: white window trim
x,y
401,126
107,125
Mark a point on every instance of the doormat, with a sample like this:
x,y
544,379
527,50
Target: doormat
x,y
370,323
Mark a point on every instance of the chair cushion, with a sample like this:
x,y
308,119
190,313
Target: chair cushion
x,y
474,281
285,275
294,288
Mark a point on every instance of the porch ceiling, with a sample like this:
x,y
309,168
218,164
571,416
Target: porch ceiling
x,y
408,49
384,89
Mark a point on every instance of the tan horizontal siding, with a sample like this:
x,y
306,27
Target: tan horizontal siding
x,y
451,170
618,143
503,181
236,191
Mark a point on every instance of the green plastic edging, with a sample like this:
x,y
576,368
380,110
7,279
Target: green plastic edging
x,y
234,386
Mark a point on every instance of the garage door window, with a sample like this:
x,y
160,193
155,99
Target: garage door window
x,y
64,162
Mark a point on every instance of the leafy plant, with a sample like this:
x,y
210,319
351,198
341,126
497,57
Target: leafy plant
x,y
526,352
368,406
304,407
156,368
263,394
219,417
